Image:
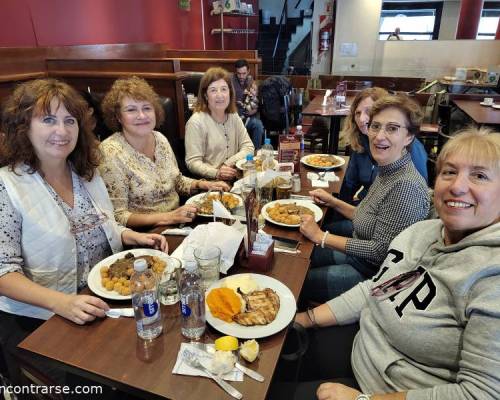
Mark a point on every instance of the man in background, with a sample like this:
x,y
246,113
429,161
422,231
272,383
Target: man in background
x,y
395,35
245,90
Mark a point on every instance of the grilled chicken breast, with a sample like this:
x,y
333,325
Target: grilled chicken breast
x,y
262,308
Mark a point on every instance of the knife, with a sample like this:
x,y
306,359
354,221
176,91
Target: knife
x,y
210,350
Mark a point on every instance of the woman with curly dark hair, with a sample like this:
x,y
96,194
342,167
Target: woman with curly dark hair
x,y
56,219
138,165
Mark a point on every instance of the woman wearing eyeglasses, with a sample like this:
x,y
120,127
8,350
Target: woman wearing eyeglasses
x,y
362,169
215,135
138,165
429,321
397,199
56,219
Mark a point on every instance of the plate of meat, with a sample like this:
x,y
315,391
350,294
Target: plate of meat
x,y
266,309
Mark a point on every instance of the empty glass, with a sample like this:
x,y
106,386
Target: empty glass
x,y
168,288
208,260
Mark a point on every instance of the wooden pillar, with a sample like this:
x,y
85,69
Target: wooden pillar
x,y
497,35
468,20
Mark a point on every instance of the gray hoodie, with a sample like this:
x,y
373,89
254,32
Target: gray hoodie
x,y
440,337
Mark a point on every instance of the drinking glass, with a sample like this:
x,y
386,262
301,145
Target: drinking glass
x,y
208,260
169,286
284,189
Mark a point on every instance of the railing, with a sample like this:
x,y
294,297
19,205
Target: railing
x,y
284,13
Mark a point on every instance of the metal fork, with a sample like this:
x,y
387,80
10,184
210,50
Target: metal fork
x,y
191,359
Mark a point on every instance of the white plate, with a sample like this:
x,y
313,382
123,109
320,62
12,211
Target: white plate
x,y
94,278
318,214
286,313
239,164
198,198
340,161
486,104
496,106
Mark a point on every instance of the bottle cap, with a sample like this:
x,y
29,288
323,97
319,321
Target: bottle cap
x,y
267,141
299,127
249,157
140,265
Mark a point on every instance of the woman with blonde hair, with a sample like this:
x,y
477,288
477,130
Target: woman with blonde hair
x,y
429,321
362,169
215,135
138,165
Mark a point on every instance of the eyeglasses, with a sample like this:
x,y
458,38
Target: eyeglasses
x,y
395,285
135,112
87,222
391,129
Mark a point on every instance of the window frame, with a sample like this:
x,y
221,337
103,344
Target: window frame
x,y
402,6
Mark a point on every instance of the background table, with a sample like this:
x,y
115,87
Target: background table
x,y
315,108
481,115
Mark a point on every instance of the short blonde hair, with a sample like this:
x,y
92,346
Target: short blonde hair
x,y
212,75
479,145
136,88
350,130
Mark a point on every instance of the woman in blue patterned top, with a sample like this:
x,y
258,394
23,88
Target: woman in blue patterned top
x,y
397,199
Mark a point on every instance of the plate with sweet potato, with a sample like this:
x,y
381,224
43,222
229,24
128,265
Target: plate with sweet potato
x,y
249,306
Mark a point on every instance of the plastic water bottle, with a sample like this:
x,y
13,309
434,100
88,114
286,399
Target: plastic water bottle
x,y
267,154
300,136
249,166
192,303
145,301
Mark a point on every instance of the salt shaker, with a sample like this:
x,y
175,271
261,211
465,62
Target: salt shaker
x,y
296,183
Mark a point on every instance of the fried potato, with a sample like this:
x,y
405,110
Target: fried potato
x,y
117,276
288,214
323,161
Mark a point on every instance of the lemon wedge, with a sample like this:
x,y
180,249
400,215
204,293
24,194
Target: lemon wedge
x,y
226,343
249,350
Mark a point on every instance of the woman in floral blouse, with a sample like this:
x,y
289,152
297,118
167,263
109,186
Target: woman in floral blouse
x,y
139,166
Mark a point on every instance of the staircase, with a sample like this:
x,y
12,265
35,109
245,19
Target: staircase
x,y
267,40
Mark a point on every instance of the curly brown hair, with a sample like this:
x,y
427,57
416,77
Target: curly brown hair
x,y
135,88
402,102
33,98
350,129
212,75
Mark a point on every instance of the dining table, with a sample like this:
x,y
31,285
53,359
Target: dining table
x,y
480,114
108,351
332,111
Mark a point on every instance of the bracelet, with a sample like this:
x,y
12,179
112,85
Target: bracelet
x,y
312,317
323,239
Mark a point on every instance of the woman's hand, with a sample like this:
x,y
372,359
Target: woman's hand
x,y
310,229
336,391
133,238
213,185
322,197
181,215
226,173
80,308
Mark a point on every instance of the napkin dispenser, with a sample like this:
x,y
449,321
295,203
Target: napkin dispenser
x,y
257,262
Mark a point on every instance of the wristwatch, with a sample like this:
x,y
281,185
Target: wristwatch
x,y
363,396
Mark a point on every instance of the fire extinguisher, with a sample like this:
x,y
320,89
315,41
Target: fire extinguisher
x,y
324,40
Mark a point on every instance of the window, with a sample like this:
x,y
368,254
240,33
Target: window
x,y
416,21
489,21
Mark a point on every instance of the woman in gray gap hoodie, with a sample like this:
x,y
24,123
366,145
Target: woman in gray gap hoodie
x,y
430,318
